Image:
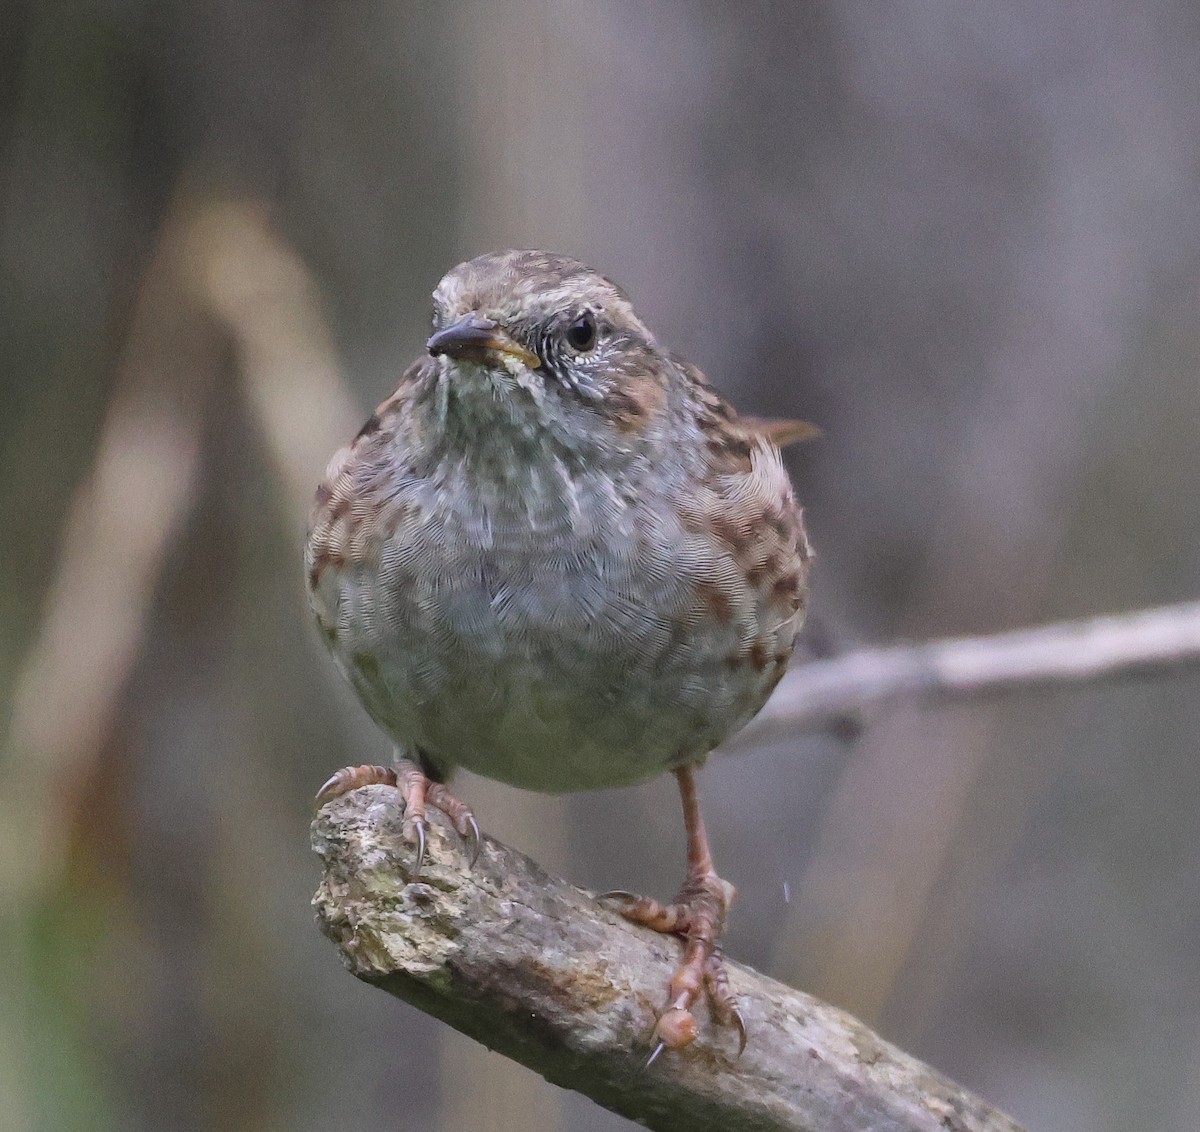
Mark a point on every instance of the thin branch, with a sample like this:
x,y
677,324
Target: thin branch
x,y
816,694
539,971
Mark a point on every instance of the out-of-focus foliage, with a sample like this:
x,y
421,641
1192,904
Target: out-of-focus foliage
x,y
963,237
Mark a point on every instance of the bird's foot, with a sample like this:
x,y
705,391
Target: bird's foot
x,y
419,793
697,914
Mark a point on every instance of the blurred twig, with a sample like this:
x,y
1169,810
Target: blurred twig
x,y
264,297
826,691
122,522
540,972
218,274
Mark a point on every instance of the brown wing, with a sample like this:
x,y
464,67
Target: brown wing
x,y
353,505
781,432
746,505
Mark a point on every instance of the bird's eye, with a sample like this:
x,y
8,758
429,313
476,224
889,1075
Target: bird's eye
x,y
581,334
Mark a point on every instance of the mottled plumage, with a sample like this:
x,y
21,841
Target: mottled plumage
x,y
555,555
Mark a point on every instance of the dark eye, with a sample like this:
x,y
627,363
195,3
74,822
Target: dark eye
x,y
581,334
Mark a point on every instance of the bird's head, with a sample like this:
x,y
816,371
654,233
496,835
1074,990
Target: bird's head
x,y
549,337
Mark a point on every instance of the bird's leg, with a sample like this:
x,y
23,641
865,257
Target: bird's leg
x,y
419,791
698,915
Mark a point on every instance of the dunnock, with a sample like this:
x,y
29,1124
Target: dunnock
x,y
556,557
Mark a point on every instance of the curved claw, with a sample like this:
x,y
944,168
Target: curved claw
x,y
475,840
740,1023
419,831
328,789
618,894
654,1056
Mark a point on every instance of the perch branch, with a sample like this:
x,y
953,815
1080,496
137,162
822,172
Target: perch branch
x,y
817,694
539,971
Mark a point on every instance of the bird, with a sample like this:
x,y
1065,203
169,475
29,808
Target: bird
x,y
557,557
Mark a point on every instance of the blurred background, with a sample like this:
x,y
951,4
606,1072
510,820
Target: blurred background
x,y
962,237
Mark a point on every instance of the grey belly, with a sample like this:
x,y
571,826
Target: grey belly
x,y
551,680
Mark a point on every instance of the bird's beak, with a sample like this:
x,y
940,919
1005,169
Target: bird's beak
x,y
474,338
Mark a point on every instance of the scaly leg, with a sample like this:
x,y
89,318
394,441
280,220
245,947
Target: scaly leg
x,y
698,915
418,792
